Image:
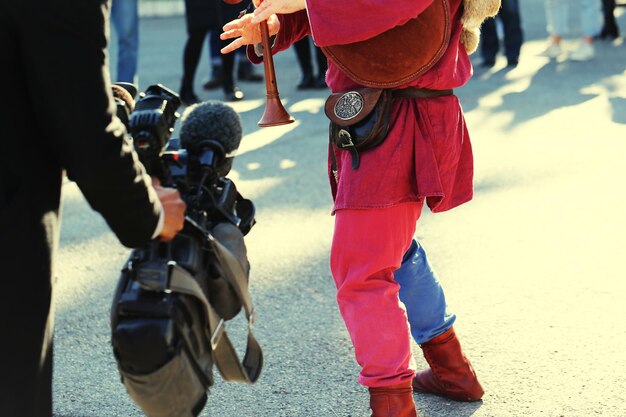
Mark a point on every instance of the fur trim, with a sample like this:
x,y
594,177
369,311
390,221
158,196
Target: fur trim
x,y
474,14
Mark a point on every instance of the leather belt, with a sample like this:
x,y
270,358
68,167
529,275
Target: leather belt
x,y
414,92
408,92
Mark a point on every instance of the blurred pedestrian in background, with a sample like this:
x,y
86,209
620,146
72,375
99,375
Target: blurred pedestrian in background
x,y
202,16
610,30
125,19
558,15
509,16
310,80
245,70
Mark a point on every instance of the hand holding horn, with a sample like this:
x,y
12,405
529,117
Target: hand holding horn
x,y
274,114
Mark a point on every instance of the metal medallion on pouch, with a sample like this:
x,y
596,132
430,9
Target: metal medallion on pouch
x,y
349,105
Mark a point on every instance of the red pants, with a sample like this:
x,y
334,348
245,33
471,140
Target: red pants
x,y
367,248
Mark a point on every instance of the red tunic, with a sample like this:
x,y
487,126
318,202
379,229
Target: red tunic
x,y
427,153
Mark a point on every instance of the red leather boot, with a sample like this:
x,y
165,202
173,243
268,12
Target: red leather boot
x,y
392,401
451,374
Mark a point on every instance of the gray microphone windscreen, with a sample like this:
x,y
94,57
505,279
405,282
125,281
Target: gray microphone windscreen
x,y
211,120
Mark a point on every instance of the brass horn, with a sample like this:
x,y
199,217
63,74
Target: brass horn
x,y
274,114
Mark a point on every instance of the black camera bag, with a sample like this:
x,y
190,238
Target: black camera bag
x,y
168,314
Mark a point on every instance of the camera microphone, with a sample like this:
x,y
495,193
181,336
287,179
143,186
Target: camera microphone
x,y
211,132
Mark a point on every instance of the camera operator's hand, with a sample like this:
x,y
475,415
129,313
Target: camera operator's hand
x,y
173,210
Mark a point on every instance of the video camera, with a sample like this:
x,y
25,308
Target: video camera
x,y
173,298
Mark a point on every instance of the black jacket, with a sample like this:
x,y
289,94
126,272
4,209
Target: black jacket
x,y
56,114
205,15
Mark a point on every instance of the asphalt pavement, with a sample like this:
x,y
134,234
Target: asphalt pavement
x,y
534,266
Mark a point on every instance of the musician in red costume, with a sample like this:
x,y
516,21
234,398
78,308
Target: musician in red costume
x,y
385,286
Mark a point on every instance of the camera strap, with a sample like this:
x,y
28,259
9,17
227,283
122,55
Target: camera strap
x,y
253,358
225,355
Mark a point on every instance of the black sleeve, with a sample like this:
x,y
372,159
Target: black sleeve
x,y
65,55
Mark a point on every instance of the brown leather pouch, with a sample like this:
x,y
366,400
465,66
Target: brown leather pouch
x,y
400,55
359,119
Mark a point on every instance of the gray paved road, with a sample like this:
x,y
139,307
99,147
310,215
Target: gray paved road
x,y
534,266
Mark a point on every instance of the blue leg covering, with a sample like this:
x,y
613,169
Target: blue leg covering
x,y
422,295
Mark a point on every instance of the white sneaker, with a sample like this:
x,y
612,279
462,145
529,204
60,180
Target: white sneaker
x,y
552,51
584,52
